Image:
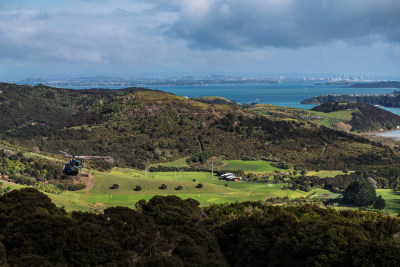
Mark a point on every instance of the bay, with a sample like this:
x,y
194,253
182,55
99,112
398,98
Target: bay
x,y
394,134
286,94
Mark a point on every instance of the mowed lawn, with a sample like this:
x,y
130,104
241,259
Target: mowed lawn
x,y
392,199
213,190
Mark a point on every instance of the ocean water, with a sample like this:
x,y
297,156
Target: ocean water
x,y
394,134
282,94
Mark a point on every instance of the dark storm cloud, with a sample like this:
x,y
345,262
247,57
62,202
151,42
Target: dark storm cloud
x,y
239,24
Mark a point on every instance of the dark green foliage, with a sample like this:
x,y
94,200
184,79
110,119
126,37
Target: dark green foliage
x,y
114,186
169,231
171,209
201,157
281,165
360,193
380,203
253,234
179,187
138,188
163,187
199,186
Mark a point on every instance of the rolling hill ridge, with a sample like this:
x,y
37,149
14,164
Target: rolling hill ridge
x,y
139,126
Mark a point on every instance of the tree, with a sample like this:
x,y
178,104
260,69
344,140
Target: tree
x,y
163,187
138,188
360,193
115,186
380,203
199,186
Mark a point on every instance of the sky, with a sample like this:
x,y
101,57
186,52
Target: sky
x,y
151,38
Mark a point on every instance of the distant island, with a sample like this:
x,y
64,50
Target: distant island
x,y
388,100
389,84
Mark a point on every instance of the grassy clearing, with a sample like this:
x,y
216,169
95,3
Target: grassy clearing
x,y
213,191
258,166
392,200
326,173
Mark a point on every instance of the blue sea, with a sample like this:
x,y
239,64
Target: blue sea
x,y
280,94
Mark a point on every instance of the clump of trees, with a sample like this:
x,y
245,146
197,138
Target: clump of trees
x,y
200,157
360,193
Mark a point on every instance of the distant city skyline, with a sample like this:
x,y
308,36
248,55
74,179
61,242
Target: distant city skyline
x,y
153,38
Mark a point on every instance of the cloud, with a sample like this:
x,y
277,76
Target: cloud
x,y
238,24
125,36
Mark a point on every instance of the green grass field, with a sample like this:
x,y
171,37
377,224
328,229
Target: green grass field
x,y
213,191
258,166
392,200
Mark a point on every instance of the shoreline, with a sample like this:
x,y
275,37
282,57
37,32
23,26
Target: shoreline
x,y
383,134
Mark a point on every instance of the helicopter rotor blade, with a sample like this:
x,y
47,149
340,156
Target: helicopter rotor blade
x,y
65,153
93,157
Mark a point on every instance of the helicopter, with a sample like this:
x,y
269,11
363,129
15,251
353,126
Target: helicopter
x,y
74,165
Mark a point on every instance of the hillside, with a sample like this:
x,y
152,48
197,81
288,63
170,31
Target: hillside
x,y
364,117
138,127
349,117
212,100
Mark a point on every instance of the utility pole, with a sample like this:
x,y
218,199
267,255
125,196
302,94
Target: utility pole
x,y
212,169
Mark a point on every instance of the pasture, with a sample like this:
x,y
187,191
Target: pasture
x,y
213,190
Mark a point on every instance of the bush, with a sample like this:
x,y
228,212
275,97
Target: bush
x,y
115,186
138,188
179,188
199,186
163,187
380,203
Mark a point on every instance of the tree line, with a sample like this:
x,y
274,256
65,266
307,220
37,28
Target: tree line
x,y
169,231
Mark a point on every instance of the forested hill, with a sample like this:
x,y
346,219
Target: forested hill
x,y
138,126
389,84
42,106
365,117
382,100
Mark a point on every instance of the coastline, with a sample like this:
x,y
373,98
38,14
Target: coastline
x,y
391,134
